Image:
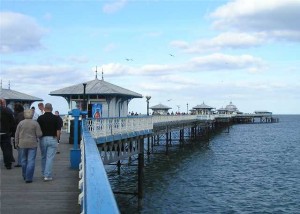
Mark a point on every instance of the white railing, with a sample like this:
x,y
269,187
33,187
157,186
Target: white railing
x,y
104,127
170,118
122,125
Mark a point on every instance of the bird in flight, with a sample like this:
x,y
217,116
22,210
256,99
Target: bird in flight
x,y
169,100
127,59
171,55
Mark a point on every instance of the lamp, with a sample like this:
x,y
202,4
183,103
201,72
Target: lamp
x,y
147,99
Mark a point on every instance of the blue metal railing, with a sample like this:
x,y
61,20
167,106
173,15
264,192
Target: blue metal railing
x,y
96,193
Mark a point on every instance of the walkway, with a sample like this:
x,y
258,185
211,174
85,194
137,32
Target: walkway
x,y
57,196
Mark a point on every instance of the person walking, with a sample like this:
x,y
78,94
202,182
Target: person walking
x,y
41,108
35,115
60,125
48,142
26,138
7,125
19,116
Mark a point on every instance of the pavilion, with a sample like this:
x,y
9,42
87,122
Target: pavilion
x,y
202,109
102,99
160,109
12,97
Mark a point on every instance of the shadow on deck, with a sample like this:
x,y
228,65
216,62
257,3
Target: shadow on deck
x,y
57,196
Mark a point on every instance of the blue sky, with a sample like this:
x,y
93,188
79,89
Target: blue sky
x,y
242,51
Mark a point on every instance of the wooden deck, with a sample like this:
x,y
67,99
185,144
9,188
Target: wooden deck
x,y
57,196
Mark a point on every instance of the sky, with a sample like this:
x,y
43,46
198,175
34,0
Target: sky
x,y
180,52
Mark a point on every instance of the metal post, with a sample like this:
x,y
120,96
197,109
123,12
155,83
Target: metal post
x,y
140,171
147,99
187,108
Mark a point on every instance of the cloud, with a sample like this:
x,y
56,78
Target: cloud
x,y
230,40
19,33
114,6
277,18
217,62
36,74
213,62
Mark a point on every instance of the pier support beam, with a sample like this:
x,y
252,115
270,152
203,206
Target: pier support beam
x,y
140,172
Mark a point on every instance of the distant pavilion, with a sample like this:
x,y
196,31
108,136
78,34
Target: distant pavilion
x,y
13,97
111,99
160,109
232,109
222,111
202,109
229,109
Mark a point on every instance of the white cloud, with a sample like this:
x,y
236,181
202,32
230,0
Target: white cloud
x,y
277,18
223,62
213,62
114,6
19,33
225,40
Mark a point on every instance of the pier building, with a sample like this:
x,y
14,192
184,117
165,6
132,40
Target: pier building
x,y
222,111
12,97
100,98
160,109
232,109
202,109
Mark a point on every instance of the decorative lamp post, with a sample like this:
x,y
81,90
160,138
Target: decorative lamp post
x,y
187,108
147,99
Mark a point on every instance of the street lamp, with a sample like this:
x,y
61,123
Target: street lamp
x,y
187,108
147,99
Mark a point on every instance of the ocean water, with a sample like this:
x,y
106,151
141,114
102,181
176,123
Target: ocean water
x,y
255,168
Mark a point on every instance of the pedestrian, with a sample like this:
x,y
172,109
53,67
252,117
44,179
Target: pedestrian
x,y
35,115
7,125
41,108
26,137
60,125
48,142
19,116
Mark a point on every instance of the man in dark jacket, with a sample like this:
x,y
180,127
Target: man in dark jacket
x,y
7,126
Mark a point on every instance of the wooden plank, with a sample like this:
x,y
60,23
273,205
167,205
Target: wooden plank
x,y
57,196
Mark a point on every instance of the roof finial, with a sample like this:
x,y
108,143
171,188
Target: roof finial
x,y
102,74
1,83
96,73
9,84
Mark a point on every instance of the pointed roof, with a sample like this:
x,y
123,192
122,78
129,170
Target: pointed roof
x,y
160,106
95,87
9,94
203,106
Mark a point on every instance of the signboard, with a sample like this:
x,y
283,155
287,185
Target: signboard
x,y
96,110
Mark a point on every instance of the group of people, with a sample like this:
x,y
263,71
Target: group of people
x,y
28,129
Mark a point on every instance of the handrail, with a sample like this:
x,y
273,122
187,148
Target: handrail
x,y
96,193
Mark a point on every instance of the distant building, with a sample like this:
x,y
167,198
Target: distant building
x,y
232,109
103,98
222,111
13,97
202,109
160,109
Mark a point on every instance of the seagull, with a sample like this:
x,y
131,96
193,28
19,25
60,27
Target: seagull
x,y
129,59
169,100
171,55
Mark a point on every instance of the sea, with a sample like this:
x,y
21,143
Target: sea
x,y
253,168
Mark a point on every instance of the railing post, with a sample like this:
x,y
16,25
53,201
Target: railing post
x,y
75,155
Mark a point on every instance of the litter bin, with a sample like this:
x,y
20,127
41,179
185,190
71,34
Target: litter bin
x,y
71,137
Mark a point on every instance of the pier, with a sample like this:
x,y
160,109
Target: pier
x,y
57,196
106,141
